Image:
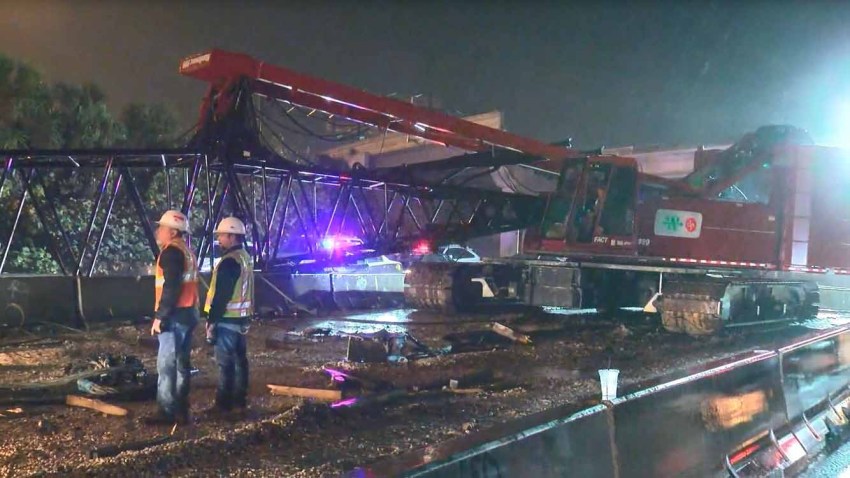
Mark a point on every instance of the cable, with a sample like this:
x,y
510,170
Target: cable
x,y
359,128
283,143
259,117
273,123
339,138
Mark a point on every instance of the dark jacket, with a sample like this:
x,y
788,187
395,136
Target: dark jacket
x,y
172,262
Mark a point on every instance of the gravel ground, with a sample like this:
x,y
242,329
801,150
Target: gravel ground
x,y
290,437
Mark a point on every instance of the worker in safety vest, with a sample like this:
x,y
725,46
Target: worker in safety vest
x,y
229,308
176,316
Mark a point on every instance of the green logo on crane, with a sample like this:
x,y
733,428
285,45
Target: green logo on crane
x,y
673,223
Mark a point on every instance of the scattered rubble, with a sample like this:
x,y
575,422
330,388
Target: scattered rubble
x,y
621,332
118,370
30,354
90,387
475,341
382,408
363,350
114,450
45,426
316,331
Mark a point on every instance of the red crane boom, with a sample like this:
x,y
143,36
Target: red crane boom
x,y
223,69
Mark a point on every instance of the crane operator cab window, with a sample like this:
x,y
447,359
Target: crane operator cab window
x,y
755,188
592,199
560,203
618,216
590,206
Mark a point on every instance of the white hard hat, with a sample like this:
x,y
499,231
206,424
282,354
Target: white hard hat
x,y
231,225
175,220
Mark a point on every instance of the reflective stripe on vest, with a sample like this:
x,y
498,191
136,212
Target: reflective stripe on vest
x,y
241,303
188,282
187,277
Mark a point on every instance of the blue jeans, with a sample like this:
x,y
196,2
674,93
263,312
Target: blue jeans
x,y
173,364
231,356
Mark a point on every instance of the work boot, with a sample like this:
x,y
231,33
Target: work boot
x,y
183,418
217,411
159,418
243,412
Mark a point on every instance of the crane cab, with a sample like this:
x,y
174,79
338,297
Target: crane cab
x,y
592,210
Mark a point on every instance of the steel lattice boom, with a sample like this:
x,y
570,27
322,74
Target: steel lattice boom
x,y
241,162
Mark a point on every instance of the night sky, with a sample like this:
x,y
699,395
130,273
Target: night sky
x,y
682,73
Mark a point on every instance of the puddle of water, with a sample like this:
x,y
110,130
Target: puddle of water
x,y
393,321
342,327
566,311
825,320
396,316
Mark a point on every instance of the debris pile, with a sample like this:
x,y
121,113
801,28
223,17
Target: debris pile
x,y
383,346
356,391
119,372
121,377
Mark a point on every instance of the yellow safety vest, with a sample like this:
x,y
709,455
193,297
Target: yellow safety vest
x,y
189,282
241,303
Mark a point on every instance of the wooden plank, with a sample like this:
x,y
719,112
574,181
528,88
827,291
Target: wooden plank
x,y
103,407
326,395
466,391
12,413
507,332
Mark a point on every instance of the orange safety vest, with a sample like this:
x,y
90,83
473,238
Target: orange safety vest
x,y
189,285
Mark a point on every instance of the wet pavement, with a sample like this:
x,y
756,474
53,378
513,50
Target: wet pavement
x,y
836,465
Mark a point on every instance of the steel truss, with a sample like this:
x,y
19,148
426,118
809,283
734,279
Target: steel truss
x,y
240,163
288,207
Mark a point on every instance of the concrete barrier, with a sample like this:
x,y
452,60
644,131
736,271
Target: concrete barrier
x,y
814,369
37,298
66,300
552,443
108,298
769,408
680,428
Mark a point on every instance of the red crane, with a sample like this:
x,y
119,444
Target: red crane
x,y
725,245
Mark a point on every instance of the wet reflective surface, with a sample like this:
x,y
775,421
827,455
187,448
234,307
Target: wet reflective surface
x,y
813,371
393,321
836,465
683,426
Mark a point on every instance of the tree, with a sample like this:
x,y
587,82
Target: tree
x,y
82,118
26,116
34,114
148,126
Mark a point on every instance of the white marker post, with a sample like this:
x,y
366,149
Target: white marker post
x,y
608,381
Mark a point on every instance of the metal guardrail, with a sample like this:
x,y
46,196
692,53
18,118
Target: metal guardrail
x,y
760,411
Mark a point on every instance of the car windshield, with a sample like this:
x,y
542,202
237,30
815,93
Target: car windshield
x,y
457,253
